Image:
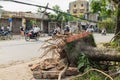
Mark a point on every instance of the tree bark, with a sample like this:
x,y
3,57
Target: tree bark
x,y
103,55
97,54
118,23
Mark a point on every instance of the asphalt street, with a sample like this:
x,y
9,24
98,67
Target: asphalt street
x,y
102,38
16,50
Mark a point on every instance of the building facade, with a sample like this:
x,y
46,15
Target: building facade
x,y
79,7
17,19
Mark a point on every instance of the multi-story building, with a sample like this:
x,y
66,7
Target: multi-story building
x,y
79,7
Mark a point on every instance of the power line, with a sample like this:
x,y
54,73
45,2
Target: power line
x,y
46,7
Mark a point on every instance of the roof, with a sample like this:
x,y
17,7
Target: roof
x,y
7,14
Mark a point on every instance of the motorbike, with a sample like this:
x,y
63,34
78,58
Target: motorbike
x,y
103,32
30,35
6,34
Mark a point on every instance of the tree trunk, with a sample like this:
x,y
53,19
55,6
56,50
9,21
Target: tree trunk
x,y
93,53
118,23
86,46
103,55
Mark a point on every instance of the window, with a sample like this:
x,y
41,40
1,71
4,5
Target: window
x,y
82,10
74,5
74,10
81,5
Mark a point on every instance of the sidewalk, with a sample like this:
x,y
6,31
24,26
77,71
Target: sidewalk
x,y
17,37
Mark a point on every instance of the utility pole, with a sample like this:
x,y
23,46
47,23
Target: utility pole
x,y
1,11
42,17
10,21
0,14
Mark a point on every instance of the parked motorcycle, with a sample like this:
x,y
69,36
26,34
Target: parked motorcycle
x,y
6,34
30,35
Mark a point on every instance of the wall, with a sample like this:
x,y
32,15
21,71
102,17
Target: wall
x,y
23,19
17,22
79,7
45,26
4,22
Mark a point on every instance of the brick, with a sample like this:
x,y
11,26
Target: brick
x,y
35,67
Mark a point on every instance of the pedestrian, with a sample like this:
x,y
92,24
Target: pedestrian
x,y
68,30
9,28
58,30
2,28
22,31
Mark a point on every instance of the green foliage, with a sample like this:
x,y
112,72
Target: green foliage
x,y
109,24
116,44
32,22
39,10
61,17
95,6
74,52
101,7
83,62
82,16
117,78
56,8
96,76
91,76
52,17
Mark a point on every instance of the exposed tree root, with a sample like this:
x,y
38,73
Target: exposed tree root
x,y
92,70
62,72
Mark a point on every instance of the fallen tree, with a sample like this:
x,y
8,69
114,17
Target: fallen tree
x,y
68,51
86,45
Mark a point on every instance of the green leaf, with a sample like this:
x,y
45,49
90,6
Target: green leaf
x,y
80,65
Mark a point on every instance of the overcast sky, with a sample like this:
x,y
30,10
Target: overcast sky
x,y
10,6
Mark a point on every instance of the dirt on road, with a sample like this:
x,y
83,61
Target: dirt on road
x,y
18,70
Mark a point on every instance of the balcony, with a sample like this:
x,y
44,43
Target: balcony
x,y
82,10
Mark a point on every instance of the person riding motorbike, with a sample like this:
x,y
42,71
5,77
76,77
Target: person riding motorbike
x,y
103,31
32,34
36,29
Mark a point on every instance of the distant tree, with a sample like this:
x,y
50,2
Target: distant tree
x,y
52,17
39,10
95,6
57,9
101,7
62,17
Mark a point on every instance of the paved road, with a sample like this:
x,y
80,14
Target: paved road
x,y
102,38
15,50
